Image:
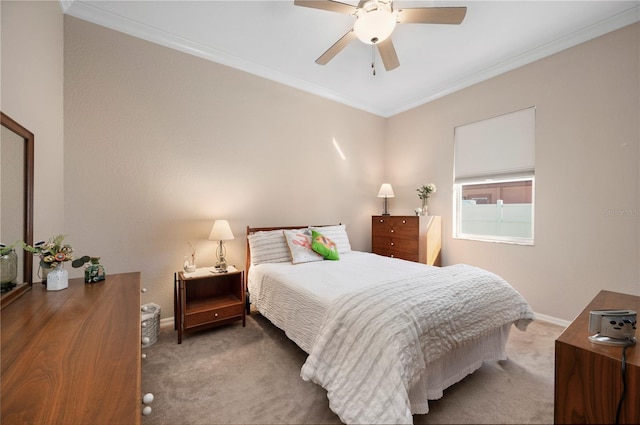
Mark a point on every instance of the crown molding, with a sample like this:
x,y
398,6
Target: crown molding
x,y
86,11
603,27
90,13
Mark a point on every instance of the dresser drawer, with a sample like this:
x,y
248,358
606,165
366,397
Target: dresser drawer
x,y
409,256
213,315
399,227
394,244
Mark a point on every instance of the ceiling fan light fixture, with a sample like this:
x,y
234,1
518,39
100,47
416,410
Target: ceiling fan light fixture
x,y
376,25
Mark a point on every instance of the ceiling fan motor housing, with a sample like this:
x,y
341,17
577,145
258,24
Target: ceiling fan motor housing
x,y
375,21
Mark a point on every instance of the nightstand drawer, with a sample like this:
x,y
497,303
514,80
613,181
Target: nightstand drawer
x,y
213,315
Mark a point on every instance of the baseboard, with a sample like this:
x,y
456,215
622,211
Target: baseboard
x,y
166,322
552,320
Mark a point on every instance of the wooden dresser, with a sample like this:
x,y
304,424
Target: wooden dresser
x,y
73,356
413,238
588,379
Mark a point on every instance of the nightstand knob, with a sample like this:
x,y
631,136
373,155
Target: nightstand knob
x,y
144,355
143,290
147,398
144,324
145,340
146,411
144,308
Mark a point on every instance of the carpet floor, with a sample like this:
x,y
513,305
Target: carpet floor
x,y
251,375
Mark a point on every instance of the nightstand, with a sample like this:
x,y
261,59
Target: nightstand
x,y
207,298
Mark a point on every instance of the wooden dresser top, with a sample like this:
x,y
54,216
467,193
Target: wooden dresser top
x,y
73,356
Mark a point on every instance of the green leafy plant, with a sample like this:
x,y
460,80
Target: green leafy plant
x,y
79,262
5,249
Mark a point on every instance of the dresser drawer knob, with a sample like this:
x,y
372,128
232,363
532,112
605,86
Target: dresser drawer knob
x,y
392,230
215,314
381,220
144,355
391,256
392,244
145,340
146,411
404,221
143,290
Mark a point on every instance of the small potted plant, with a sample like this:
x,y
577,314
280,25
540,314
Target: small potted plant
x,y
53,254
8,266
93,270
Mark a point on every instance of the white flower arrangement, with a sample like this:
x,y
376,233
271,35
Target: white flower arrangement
x,y
426,190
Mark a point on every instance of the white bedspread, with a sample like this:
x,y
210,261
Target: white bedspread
x,y
297,298
375,343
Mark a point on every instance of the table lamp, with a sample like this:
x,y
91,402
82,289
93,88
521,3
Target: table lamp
x,y
386,191
221,232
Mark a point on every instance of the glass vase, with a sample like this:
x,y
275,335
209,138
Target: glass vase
x,y
423,210
8,270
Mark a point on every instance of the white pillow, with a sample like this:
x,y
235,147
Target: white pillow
x,y
299,242
268,247
337,234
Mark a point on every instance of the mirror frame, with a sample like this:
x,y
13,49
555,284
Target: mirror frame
x,y
28,137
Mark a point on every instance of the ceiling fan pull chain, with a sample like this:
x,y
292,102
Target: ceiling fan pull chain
x,y
373,59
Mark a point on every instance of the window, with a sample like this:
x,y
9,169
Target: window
x,y
494,179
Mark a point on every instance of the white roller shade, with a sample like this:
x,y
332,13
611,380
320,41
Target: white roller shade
x,y
499,146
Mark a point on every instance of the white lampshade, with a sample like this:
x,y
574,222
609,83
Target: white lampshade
x,y
220,231
386,191
376,25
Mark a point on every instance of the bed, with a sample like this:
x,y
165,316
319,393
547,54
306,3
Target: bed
x,y
383,335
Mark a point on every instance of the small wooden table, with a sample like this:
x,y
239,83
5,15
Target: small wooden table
x,y
73,356
207,298
588,379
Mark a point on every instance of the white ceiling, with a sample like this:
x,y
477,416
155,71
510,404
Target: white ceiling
x,y
279,41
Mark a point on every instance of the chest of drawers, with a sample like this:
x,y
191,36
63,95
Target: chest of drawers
x,y
413,238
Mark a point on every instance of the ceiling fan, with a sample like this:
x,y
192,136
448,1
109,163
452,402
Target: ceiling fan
x,y
376,20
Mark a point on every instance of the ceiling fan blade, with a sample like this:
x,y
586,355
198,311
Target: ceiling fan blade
x,y
388,54
330,5
432,15
336,48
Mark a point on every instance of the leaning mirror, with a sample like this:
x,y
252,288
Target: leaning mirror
x,y
16,209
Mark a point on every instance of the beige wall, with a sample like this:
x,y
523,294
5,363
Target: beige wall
x,y
587,212
32,94
159,144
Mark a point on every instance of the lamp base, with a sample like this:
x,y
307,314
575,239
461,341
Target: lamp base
x,y
385,213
